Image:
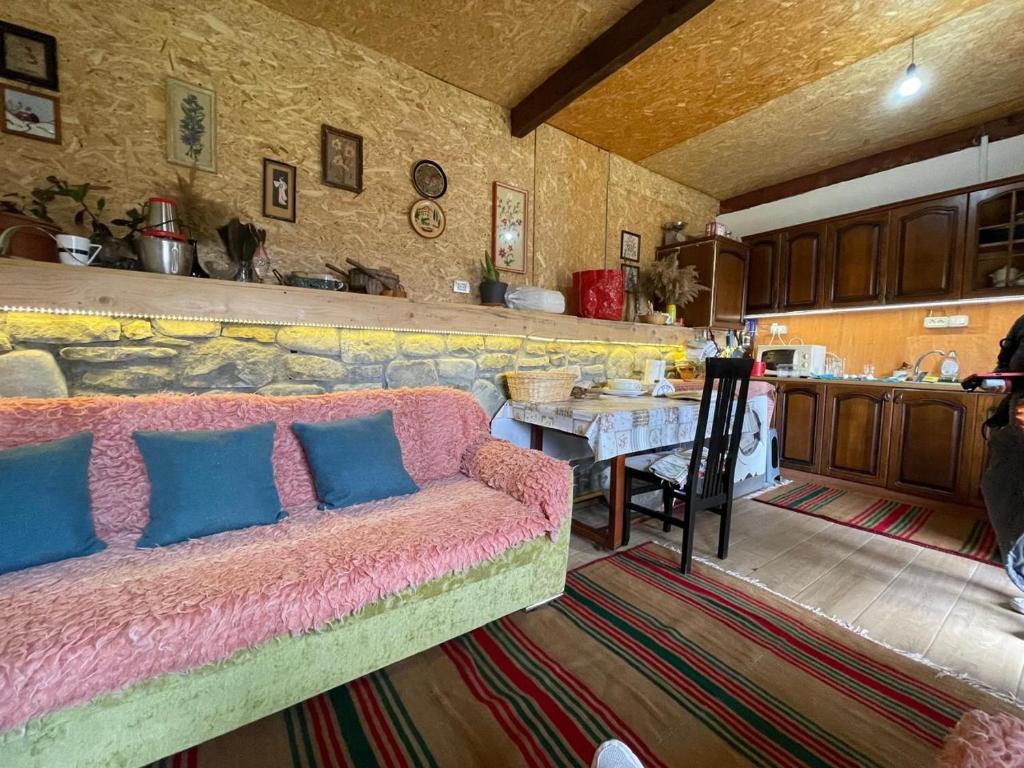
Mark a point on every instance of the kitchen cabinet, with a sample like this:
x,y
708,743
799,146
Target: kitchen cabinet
x,y
802,259
926,249
763,272
932,437
856,429
855,259
799,416
994,261
722,266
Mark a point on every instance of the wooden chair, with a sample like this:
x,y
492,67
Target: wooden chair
x,y
709,479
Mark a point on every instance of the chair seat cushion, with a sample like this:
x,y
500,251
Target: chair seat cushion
x,y
79,628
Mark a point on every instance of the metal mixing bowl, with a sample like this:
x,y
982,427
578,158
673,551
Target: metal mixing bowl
x,y
165,255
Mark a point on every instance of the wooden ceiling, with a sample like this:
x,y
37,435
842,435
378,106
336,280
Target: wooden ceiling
x,y
745,94
498,50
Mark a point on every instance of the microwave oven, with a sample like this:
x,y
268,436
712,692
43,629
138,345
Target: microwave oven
x,y
806,359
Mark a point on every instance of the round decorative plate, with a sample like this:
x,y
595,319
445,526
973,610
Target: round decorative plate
x,y
429,179
427,219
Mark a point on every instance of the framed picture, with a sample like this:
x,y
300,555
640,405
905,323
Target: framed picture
x,y
631,277
191,125
509,229
629,246
278,190
341,158
32,115
427,219
28,56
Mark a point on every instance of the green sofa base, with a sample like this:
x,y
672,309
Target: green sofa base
x,y
162,716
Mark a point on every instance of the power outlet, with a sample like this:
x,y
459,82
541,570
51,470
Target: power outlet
x,y
940,321
460,286
959,321
778,329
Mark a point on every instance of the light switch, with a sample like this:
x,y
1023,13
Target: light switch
x,y
959,321
460,286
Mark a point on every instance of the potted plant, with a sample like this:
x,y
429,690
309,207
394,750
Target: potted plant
x,y
671,284
492,290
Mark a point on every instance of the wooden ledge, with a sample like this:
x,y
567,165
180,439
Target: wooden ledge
x,y
30,285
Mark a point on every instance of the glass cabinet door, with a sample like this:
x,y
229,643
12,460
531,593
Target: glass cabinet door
x,y
995,234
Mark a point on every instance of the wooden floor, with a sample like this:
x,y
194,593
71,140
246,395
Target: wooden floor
x,y
951,610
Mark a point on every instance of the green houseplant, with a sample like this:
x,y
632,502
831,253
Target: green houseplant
x,y
492,290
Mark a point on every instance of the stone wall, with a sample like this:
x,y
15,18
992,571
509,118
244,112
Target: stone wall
x,y
51,355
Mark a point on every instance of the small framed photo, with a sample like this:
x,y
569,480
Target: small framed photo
x,y
509,228
341,158
631,277
191,125
629,246
278,190
32,115
28,56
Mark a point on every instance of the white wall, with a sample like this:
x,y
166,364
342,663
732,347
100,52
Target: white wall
x,y
957,169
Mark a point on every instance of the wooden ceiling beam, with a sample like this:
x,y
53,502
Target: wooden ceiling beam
x,y
1002,128
626,39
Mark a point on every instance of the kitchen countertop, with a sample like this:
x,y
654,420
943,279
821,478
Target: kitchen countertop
x,y
940,386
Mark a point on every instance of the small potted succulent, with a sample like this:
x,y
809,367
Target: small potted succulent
x,y
492,290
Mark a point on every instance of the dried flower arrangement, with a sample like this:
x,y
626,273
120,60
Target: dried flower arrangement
x,y
670,283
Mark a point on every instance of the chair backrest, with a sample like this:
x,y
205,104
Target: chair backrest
x,y
724,402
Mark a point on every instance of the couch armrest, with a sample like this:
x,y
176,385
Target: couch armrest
x,y
528,476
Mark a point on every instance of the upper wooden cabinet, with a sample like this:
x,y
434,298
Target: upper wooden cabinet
x,y
855,253
722,266
994,261
763,272
857,426
926,249
802,259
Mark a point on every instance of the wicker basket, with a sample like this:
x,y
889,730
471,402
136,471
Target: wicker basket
x,y
539,386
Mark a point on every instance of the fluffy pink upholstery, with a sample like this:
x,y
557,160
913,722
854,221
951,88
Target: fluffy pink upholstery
x,y
435,426
981,740
82,627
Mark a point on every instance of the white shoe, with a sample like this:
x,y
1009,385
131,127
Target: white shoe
x,y
615,754
1017,604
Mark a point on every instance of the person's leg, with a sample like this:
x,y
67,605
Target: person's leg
x,y
1015,570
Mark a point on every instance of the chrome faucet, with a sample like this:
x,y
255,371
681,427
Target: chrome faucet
x,y
917,374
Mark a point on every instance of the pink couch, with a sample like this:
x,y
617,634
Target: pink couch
x,y
79,628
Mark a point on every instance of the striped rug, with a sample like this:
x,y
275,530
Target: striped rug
x,y
700,671
967,534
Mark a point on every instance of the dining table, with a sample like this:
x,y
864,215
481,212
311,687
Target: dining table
x,y
616,427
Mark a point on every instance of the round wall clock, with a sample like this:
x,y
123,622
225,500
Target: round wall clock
x,y
429,179
427,219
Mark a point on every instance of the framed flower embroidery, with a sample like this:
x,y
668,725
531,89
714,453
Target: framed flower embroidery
x,y
191,125
341,158
509,228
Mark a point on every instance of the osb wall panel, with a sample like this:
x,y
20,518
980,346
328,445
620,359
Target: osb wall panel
x,y
735,56
888,338
974,68
500,51
276,80
572,194
640,201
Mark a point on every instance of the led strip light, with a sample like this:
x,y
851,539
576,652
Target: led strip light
x,y
884,307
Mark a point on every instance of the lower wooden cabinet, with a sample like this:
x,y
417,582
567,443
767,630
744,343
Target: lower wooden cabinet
x,y
857,423
920,442
799,416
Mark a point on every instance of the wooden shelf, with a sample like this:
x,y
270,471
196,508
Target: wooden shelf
x,y
90,290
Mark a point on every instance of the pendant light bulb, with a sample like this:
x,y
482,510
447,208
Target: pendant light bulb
x,y
911,82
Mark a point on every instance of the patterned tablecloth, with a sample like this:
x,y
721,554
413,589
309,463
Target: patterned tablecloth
x,y
619,425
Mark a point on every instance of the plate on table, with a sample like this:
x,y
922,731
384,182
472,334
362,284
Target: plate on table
x,y
625,392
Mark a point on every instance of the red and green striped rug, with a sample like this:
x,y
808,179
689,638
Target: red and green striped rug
x,y
967,534
706,670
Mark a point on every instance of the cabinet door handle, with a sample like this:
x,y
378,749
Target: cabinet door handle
x,y
899,397
887,396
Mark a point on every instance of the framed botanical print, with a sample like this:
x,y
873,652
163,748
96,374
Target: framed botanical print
x,y
341,158
28,56
191,125
629,246
279,190
509,228
32,115
631,277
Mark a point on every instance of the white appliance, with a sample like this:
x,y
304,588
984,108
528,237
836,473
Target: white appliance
x,y
805,359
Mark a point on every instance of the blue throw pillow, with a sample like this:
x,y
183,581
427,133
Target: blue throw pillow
x,y
208,481
355,460
45,512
